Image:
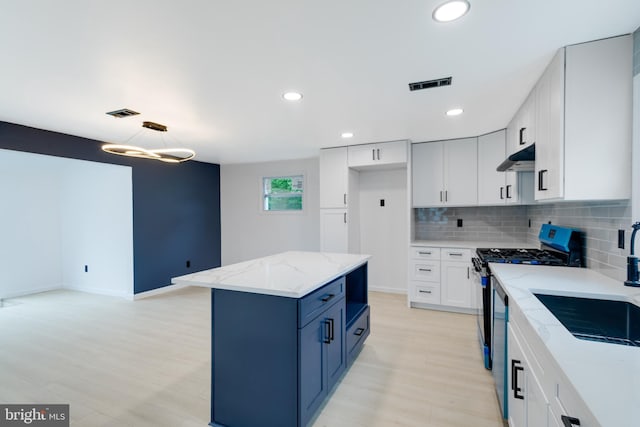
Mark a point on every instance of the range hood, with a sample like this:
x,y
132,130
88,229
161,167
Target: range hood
x,y
520,161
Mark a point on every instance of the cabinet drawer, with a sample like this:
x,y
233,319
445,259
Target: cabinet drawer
x,y
425,253
456,254
313,304
425,292
426,271
356,334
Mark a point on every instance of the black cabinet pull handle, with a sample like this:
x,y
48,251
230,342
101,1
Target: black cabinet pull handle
x,y
509,191
424,292
358,332
424,269
344,197
378,151
331,330
522,131
455,254
328,298
569,421
327,332
501,195
514,379
424,253
373,154
541,186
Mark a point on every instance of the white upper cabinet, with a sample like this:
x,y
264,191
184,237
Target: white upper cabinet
x,y
444,173
584,121
523,127
491,183
500,188
335,177
389,154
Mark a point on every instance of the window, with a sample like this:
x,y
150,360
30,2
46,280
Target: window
x,y
282,193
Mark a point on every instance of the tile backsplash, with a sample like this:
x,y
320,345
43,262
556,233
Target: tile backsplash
x,y
492,224
600,221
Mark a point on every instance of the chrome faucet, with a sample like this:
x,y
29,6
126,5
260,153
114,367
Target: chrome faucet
x,y
632,261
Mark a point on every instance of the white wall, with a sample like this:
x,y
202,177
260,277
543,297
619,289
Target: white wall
x,y
97,228
30,258
384,230
61,214
247,231
635,169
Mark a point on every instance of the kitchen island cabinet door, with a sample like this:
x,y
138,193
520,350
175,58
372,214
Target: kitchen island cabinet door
x,y
322,358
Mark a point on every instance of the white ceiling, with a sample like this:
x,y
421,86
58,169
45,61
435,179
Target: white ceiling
x,y
214,71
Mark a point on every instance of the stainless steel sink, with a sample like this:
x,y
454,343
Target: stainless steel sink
x,y
602,320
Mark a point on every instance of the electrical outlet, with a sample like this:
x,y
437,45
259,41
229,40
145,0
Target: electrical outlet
x,y
621,239
459,222
381,202
529,222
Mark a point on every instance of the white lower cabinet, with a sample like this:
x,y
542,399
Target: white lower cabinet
x,y
539,393
334,230
528,405
441,278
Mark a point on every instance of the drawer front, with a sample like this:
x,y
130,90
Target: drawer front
x,y
316,302
425,253
456,254
425,271
425,292
357,333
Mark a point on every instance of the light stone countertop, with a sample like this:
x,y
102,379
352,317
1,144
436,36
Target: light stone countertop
x,y
288,274
607,376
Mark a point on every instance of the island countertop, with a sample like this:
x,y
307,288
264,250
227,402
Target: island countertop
x,y
289,274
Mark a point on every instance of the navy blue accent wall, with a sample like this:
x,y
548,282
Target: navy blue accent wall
x,y
176,207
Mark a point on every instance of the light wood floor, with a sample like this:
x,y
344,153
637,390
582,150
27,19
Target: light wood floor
x,y
146,363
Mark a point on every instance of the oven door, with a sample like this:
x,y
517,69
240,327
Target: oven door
x,y
482,289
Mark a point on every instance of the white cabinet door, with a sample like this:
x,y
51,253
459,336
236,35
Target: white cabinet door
x,y
394,152
379,154
362,155
491,183
516,389
549,169
527,122
456,286
461,172
536,402
427,174
333,177
334,230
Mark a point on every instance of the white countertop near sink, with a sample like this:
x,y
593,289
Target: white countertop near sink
x,y
288,274
607,376
472,244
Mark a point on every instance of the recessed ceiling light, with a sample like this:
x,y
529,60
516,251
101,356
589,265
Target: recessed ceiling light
x,y
451,10
455,112
292,96
347,134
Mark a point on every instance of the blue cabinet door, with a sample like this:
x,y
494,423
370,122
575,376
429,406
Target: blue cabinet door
x,y
313,378
322,358
335,349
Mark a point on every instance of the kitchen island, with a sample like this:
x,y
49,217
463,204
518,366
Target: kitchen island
x,y
284,328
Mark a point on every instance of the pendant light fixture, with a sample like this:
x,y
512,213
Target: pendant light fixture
x,y
167,155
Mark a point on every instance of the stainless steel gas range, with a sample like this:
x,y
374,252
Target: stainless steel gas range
x,y
559,246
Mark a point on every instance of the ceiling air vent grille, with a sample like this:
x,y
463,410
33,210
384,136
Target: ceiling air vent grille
x,y
428,84
124,112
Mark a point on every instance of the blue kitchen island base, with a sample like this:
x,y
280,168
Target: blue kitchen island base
x,y
275,359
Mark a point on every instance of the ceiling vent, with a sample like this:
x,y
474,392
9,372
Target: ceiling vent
x,y
124,112
428,84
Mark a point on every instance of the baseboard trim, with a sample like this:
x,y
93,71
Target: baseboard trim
x,y
157,291
30,292
100,291
388,290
